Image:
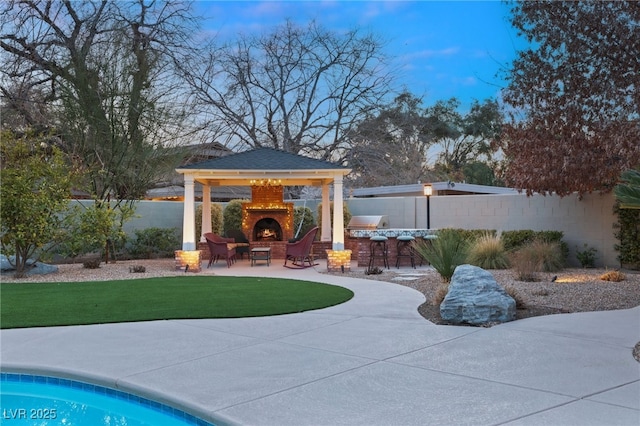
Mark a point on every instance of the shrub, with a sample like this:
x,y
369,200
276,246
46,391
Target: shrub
x,y
587,257
154,243
537,256
346,215
216,220
515,240
628,234
137,269
373,271
615,276
440,294
444,253
303,215
91,263
513,292
232,215
525,265
550,254
488,252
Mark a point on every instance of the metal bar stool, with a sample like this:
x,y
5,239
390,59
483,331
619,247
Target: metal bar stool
x,y
378,250
405,250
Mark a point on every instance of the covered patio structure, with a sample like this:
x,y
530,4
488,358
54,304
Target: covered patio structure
x,y
259,167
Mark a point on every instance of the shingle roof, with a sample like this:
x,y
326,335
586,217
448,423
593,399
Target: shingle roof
x,y
264,159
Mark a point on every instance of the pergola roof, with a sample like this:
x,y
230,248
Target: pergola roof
x,y
262,164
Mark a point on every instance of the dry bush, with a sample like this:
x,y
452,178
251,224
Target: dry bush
x,y
513,292
537,256
616,276
91,263
440,294
488,252
525,266
137,269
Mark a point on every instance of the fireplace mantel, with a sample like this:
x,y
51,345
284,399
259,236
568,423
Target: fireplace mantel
x,y
268,209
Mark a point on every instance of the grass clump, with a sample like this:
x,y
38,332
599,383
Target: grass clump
x,y
445,253
537,256
513,292
440,294
615,276
488,252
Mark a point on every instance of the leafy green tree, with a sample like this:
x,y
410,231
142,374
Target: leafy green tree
x,y
464,142
93,229
36,186
107,69
390,147
574,125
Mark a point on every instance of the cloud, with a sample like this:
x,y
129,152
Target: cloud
x,y
432,53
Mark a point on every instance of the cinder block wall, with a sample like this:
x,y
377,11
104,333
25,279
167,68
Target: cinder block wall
x,y
584,221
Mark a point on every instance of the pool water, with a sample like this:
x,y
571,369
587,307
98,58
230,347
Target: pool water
x,y
38,400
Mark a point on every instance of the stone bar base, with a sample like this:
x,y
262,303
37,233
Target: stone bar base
x,y
338,260
188,260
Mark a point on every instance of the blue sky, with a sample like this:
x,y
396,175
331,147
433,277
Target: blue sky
x,y
442,48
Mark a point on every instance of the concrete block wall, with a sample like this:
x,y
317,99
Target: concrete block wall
x,y
588,220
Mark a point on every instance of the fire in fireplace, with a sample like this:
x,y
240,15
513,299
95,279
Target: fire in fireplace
x,y
267,229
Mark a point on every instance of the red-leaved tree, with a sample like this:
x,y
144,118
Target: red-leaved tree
x,y
574,96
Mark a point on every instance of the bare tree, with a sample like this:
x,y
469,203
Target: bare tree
x,y
578,89
299,89
107,68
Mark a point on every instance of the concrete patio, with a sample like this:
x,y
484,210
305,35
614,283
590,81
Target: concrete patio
x,y
371,361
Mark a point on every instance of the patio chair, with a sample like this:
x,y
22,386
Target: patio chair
x,y
241,240
300,251
220,247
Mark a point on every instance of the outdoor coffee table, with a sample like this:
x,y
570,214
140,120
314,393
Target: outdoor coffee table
x,y
260,253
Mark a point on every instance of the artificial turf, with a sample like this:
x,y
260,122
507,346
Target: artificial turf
x,y
97,302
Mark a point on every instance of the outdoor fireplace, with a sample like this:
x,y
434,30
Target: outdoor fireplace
x,y
267,229
267,217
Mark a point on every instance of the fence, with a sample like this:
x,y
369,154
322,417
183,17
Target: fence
x,y
588,220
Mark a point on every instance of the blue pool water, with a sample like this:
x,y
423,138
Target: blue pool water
x,y
37,400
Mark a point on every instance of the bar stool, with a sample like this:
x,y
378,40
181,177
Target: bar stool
x,y
378,250
405,250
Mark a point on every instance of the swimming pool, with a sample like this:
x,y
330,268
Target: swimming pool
x,y
29,400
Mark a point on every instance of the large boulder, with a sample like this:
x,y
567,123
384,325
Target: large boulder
x,y
32,267
474,297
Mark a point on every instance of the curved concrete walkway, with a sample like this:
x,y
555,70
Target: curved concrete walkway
x,y
371,361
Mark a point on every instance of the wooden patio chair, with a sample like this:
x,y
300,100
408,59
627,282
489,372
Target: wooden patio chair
x,y
300,251
220,247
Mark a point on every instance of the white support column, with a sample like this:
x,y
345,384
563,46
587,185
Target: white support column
x,y
188,219
338,215
326,213
206,210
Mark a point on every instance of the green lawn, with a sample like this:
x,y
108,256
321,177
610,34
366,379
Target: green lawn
x,y
96,302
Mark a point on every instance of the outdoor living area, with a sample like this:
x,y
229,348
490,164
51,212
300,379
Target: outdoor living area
x,y
267,220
